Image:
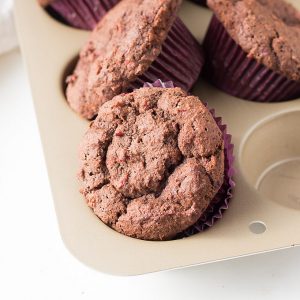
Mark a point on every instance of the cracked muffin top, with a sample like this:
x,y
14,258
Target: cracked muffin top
x,y
151,162
268,30
121,47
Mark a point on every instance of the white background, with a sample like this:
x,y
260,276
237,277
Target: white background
x,y
34,264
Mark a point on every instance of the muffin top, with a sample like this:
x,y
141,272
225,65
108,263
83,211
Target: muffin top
x,y
268,30
122,46
151,162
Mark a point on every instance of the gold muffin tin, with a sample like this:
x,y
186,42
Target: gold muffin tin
x,y
264,214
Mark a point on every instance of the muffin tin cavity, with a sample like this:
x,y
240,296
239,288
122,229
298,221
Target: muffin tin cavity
x,y
270,159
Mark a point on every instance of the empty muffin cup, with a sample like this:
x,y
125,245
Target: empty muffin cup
x,y
274,169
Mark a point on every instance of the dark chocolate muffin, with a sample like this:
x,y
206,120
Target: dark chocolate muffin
x,y
152,162
137,41
253,49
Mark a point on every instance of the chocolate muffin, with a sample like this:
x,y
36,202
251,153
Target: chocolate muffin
x,y
137,41
82,14
151,162
253,49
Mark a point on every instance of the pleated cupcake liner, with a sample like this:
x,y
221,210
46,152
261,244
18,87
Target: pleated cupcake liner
x,y
200,2
159,83
229,69
82,14
181,60
220,203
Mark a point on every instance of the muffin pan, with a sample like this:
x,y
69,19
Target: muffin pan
x,y
264,212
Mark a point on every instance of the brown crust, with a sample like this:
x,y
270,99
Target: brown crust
x,y
268,30
122,47
151,162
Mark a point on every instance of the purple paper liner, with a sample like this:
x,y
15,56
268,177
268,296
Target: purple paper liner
x,y
220,203
82,14
229,69
200,2
181,60
159,83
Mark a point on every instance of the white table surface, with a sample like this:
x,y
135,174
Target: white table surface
x,y
34,263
